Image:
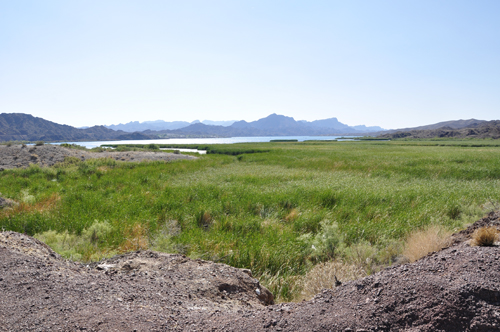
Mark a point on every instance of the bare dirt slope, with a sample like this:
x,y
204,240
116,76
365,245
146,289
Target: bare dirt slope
x,y
456,289
143,291
17,156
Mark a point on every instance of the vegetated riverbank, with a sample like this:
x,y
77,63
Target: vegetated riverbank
x,y
279,213
456,289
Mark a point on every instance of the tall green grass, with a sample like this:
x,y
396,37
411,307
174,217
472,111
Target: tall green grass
x,y
278,212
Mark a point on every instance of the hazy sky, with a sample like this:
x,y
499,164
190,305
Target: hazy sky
x,y
394,63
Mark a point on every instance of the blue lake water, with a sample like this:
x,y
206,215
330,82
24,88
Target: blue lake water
x,y
226,140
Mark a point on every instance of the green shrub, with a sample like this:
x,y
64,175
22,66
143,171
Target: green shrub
x,y
73,146
80,247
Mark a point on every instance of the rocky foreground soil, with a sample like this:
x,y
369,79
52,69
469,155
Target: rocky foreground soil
x,y
18,156
456,289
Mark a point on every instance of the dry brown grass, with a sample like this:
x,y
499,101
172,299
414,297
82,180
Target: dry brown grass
x,y
485,236
43,205
322,276
135,239
206,217
292,215
421,243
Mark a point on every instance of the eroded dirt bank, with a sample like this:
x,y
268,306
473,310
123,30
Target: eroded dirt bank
x,y
456,289
17,156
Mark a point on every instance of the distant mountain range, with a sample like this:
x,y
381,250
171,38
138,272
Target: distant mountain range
x,y
164,125
272,125
272,121
25,127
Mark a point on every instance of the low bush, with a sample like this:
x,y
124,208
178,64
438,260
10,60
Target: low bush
x,y
84,247
153,147
73,146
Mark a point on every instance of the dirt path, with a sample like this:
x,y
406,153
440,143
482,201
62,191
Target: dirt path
x,y
456,289
17,156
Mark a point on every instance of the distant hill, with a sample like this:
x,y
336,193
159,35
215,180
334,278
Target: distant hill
x,y
25,127
218,123
366,129
163,125
331,123
457,129
149,125
453,124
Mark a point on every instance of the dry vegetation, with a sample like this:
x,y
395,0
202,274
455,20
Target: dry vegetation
x,y
28,205
485,236
135,239
325,275
420,243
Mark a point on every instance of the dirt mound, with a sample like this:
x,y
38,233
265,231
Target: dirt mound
x,y
147,291
456,289
18,156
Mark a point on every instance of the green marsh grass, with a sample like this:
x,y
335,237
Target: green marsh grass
x,y
278,212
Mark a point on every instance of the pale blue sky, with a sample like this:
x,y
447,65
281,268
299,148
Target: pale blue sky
x,y
388,63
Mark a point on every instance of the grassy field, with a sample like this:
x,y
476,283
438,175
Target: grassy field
x,y
276,208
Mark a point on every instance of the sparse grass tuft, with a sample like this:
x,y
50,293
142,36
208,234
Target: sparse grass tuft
x,y
420,243
322,276
485,236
